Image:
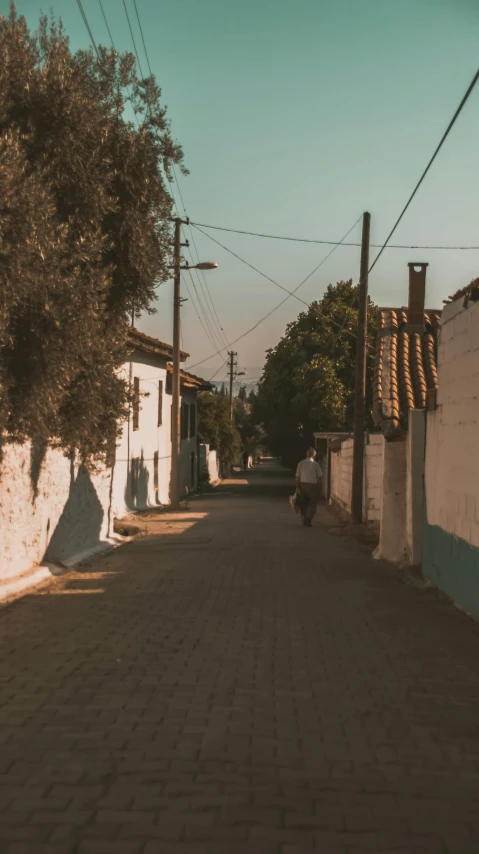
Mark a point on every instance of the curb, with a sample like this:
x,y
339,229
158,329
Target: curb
x,y
44,574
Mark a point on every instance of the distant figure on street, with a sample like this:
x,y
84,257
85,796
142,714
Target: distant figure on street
x,y
308,476
245,460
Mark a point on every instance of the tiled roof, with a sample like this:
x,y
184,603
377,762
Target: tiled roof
x,y
152,345
190,380
471,291
405,369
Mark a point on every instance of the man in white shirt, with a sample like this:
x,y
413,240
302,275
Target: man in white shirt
x,y
308,476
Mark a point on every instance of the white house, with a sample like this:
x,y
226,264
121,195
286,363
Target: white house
x,y
143,456
53,510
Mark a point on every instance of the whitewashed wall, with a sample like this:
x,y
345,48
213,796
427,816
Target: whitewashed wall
x,y
189,449
341,476
51,509
452,442
209,463
142,444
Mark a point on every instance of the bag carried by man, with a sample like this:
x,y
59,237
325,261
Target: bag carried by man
x,y
298,502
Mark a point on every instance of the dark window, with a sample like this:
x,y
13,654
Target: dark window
x,y
184,420
169,383
155,470
135,478
160,403
136,403
192,420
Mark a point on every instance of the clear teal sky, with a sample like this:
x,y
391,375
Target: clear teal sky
x,y
295,116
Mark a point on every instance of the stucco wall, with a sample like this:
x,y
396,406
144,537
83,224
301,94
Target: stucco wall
x,y
134,475
189,448
341,476
51,509
451,535
393,521
209,463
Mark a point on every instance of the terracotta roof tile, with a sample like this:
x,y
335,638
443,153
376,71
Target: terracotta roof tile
x,y
471,290
152,345
191,379
405,367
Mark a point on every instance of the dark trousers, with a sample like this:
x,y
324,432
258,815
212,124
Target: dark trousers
x,y
309,493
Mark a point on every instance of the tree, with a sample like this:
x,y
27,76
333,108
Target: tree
x,y
242,394
249,431
84,232
214,423
308,379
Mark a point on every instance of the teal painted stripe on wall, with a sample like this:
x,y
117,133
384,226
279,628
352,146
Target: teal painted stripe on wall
x,y
453,566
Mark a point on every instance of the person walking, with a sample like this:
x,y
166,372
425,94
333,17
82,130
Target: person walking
x,y
308,477
245,460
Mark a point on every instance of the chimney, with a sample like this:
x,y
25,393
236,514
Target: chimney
x,y
417,295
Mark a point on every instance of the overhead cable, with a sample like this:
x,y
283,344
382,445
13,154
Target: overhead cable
x,y
133,38
266,316
143,38
421,179
87,25
326,242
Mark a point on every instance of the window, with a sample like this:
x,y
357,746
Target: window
x,y
155,472
135,478
169,383
160,403
192,420
184,420
136,403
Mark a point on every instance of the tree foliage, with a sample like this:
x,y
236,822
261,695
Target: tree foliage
x,y
84,232
308,379
214,423
250,432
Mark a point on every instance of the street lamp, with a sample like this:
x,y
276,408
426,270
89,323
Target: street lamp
x,y
175,401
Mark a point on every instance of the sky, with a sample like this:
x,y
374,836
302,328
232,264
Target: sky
x,y
295,116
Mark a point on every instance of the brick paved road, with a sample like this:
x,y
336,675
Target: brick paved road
x,y
236,683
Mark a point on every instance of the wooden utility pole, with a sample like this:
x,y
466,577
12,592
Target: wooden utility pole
x,y
232,372
360,386
175,400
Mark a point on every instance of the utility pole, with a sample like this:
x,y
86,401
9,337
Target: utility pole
x,y
360,386
232,372
176,387
175,400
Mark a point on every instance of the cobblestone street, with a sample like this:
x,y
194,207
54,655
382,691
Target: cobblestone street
x,y
237,684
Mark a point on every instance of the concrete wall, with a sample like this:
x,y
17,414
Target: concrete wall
x,y
451,532
51,509
341,476
415,454
392,537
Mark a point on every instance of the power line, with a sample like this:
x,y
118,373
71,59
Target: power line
x,y
421,179
114,48
274,282
107,26
213,335
266,316
205,329
327,242
132,37
206,290
416,188
143,39
208,328
87,25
